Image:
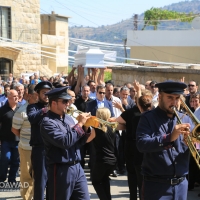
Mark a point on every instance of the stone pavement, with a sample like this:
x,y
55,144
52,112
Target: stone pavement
x,y
119,190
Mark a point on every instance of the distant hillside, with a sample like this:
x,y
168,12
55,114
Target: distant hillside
x,y
117,32
185,6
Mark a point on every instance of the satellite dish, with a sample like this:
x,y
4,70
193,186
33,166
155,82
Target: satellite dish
x,y
196,23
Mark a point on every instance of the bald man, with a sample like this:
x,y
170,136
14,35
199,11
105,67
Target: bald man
x,y
9,142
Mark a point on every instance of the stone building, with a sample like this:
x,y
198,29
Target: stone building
x,y
54,29
20,40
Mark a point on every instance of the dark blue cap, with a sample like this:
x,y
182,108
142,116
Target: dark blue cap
x,y
59,93
171,87
43,85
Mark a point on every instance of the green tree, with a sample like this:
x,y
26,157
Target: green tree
x,y
153,16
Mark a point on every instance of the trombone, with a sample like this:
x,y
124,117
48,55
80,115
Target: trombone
x,y
194,134
100,123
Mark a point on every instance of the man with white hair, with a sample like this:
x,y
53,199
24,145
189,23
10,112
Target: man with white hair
x,y
9,143
20,90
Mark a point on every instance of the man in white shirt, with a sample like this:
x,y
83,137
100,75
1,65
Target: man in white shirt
x,y
154,91
92,86
109,96
196,104
71,104
22,128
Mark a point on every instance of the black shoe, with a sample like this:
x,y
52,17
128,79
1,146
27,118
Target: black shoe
x,y
114,174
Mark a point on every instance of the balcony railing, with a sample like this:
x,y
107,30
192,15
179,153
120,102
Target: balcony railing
x,y
22,35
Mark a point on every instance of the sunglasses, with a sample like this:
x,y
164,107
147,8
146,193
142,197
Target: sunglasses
x,y
64,101
191,85
101,92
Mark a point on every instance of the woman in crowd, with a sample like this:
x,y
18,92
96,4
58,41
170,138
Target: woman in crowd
x,y
104,144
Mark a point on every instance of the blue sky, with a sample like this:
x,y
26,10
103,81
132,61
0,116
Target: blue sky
x,y
96,13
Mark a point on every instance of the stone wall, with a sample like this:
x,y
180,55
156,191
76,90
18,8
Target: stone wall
x,y
121,75
25,24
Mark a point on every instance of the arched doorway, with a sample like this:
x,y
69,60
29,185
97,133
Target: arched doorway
x,y
6,67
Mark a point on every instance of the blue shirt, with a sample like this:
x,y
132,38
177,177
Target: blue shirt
x,y
61,138
23,102
33,81
162,157
100,104
3,100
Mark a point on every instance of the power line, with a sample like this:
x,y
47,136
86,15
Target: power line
x,y
76,13
87,8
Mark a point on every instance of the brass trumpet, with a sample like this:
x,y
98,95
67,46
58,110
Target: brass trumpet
x,y
100,122
194,134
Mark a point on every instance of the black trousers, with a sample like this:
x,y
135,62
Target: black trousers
x,y
119,151
39,172
100,179
193,173
134,175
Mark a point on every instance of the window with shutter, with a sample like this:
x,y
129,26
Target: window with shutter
x,y
5,22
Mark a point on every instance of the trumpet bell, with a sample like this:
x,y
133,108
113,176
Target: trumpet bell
x,y
92,121
196,132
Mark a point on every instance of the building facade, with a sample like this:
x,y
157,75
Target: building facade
x,y
21,39
182,46
54,30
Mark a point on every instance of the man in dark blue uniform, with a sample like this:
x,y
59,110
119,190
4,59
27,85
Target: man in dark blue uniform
x,y
161,139
35,113
66,178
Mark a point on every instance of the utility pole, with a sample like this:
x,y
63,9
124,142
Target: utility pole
x,y
135,22
125,51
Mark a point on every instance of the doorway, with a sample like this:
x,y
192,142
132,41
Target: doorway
x,y
6,67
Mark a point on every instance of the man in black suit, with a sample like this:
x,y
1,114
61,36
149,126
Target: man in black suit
x,y
99,102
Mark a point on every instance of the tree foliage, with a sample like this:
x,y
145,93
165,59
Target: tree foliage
x,y
153,16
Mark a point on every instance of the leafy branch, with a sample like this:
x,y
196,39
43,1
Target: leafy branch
x,y
153,16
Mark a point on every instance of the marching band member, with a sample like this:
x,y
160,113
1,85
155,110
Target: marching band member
x,y
166,156
36,113
66,178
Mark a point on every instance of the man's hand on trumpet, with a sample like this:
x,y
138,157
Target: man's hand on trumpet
x,y
180,129
82,118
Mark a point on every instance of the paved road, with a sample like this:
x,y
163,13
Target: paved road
x,y
119,190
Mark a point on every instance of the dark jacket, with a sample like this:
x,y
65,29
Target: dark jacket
x,y
35,116
162,157
62,141
92,107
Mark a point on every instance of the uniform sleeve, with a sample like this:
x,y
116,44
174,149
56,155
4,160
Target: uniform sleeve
x,y
34,115
150,141
52,134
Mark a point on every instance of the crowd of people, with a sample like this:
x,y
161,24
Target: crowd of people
x,y
48,125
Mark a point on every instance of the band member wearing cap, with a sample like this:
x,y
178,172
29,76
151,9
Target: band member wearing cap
x,y
161,139
66,178
35,113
